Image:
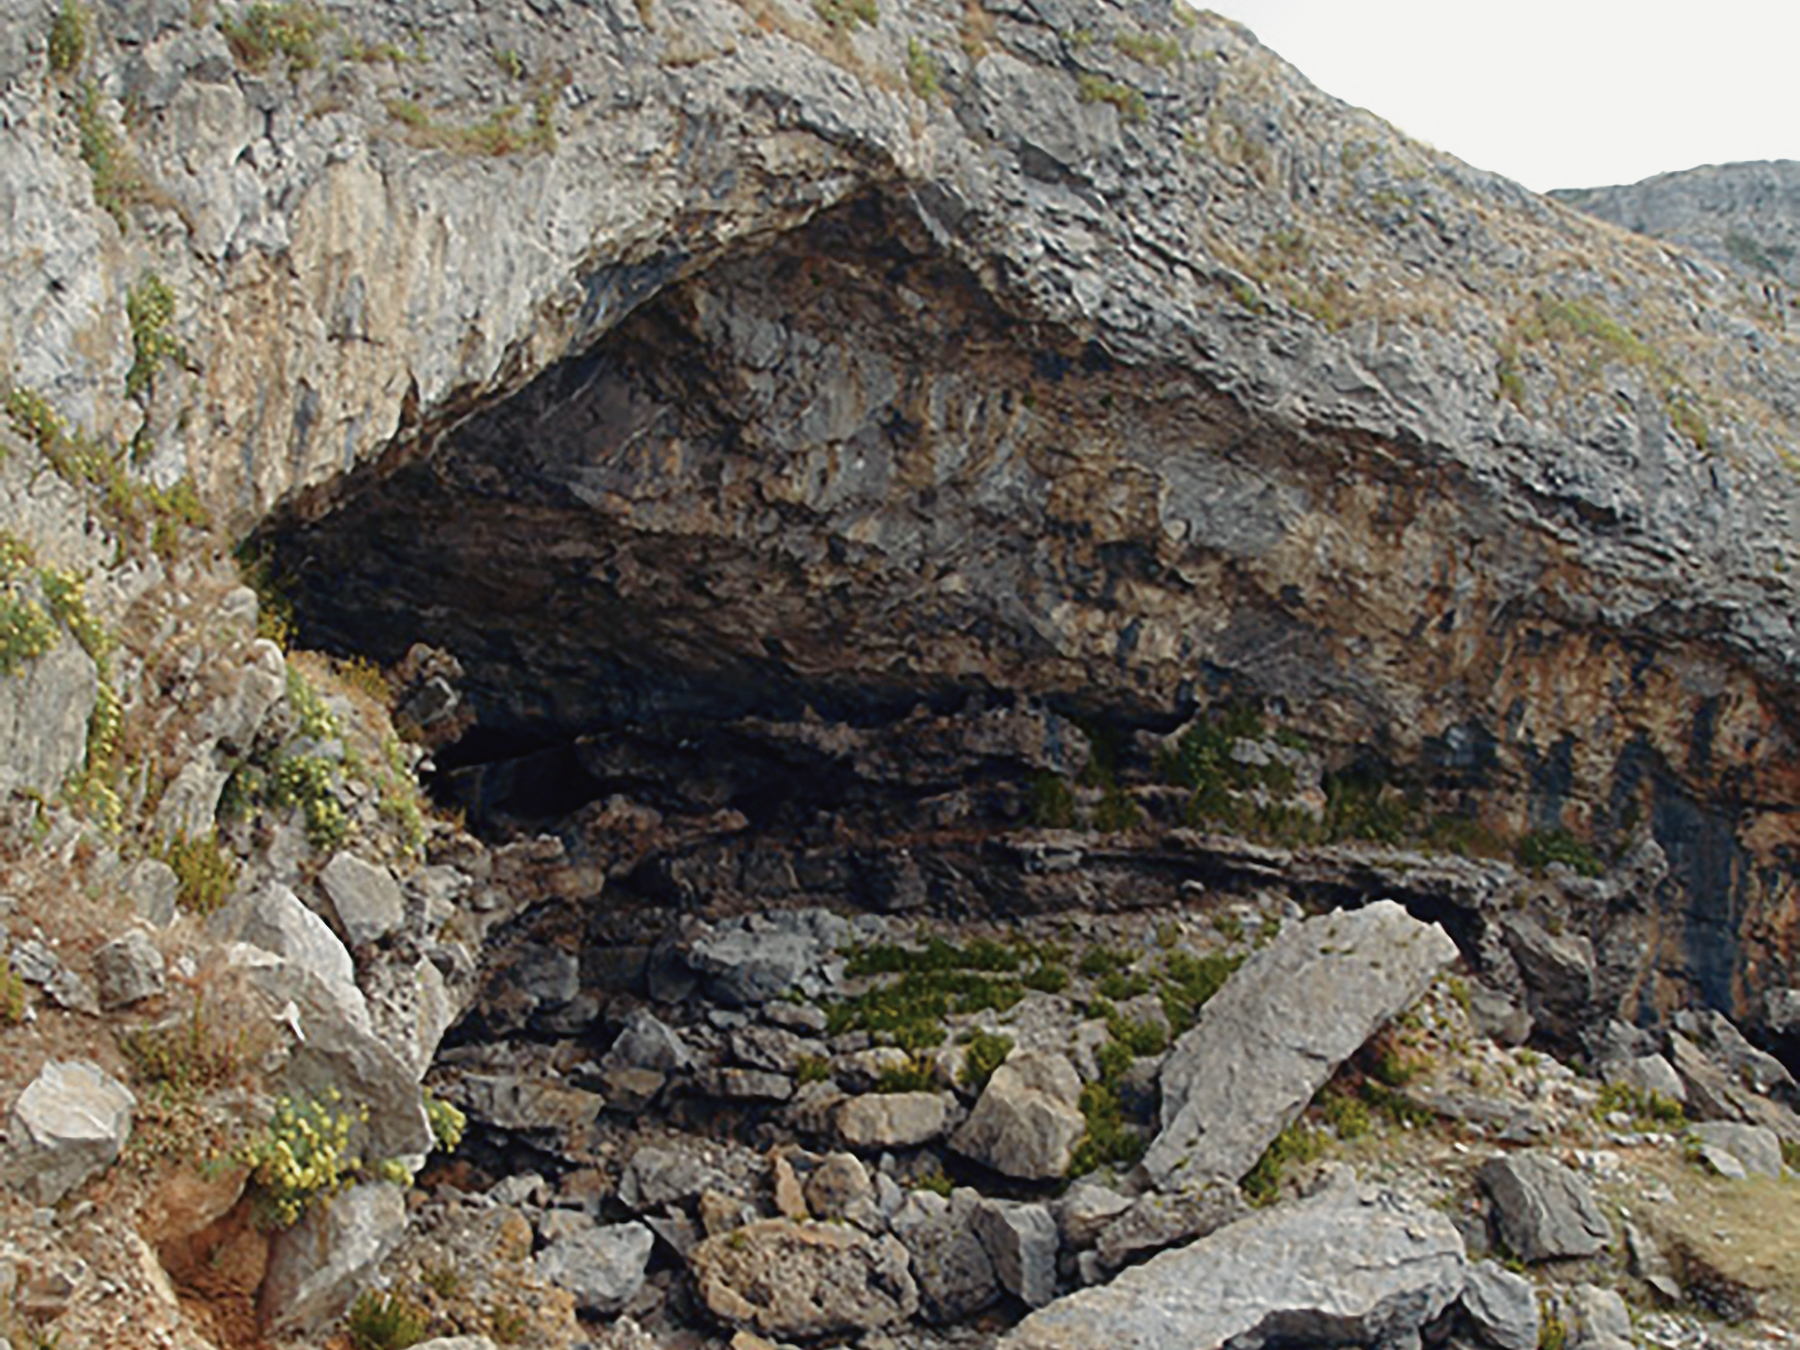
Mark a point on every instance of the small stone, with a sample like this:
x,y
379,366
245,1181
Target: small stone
x,y
1026,1123
127,970
1021,1241
153,889
893,1119
1543,1209
1502,1307
71,1122
839,1188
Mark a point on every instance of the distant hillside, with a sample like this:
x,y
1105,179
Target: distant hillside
x,y
1744,216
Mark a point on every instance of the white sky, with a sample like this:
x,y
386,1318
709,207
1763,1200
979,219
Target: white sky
x,y
1556,93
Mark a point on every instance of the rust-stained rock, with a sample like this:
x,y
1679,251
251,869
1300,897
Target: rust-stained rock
x,y
787,1279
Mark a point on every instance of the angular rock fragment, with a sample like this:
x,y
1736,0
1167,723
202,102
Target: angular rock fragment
x,y
601,1265
1501,1307
1278,1030
1027,1121
1159,1220
1021,1240
1542,1209
364,896
69,1123
955,1274
1346,1267
785,1279
127,970
317,1267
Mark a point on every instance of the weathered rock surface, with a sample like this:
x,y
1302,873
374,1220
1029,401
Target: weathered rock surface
x,y
602,1265
951,1265
803,1279
1340,1268
317,1267
893,1119
364,896
1756,1149
1021,1240
1027,1121
1501,1307
1542,1209
1278,1029
128,969
69,1123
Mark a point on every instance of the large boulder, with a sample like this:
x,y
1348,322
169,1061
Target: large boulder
x,y
1501,1307
364,896
1542,1209
879,1120
786,1279
1021,1240
274,920
1347,1267
1028,1120
1278,1030
317,1267
69,1123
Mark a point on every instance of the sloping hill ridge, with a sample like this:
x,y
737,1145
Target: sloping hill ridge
x,y
1745,217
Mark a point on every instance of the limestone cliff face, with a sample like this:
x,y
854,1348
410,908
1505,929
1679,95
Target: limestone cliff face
x,y
1074,351
1745,217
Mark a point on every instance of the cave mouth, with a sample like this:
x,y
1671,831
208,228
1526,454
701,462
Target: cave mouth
x,y
780,496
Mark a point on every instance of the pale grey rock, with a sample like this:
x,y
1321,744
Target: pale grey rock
x,y
1277,1031
1646,1073
1502,1307
1596,1319
259,684
1084,1212
1726,1046
274,920
1645,1259
317,1267
1341,1268
127,970
1558,969
153,889
1756,1149
646,1042
1027,1121
1161,1220
951,1264
881,1120
1542,1209
1021,1240
1783,1011
365,898
786,1279
69,1124
44,709
337,1054
602,1266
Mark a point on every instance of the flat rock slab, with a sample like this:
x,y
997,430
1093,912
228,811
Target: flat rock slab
x,y
603,1267
1278,1030
1544,1210
804,1279
1343,1268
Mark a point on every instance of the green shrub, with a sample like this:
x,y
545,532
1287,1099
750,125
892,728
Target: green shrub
x,y
1646,1107
1151,51
936,1181
1537,850
308,781
188,1058
447,1123
916,1075
118,184
1091,88
845,15
385,1321
266,31
150,306
12,996
813,1069
301,1155
1052,802
1189,981
1294,1146
922,71
984,1052
1346,1113
68,37
204,870
1046,979
1117,813
1109,1140
26,631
